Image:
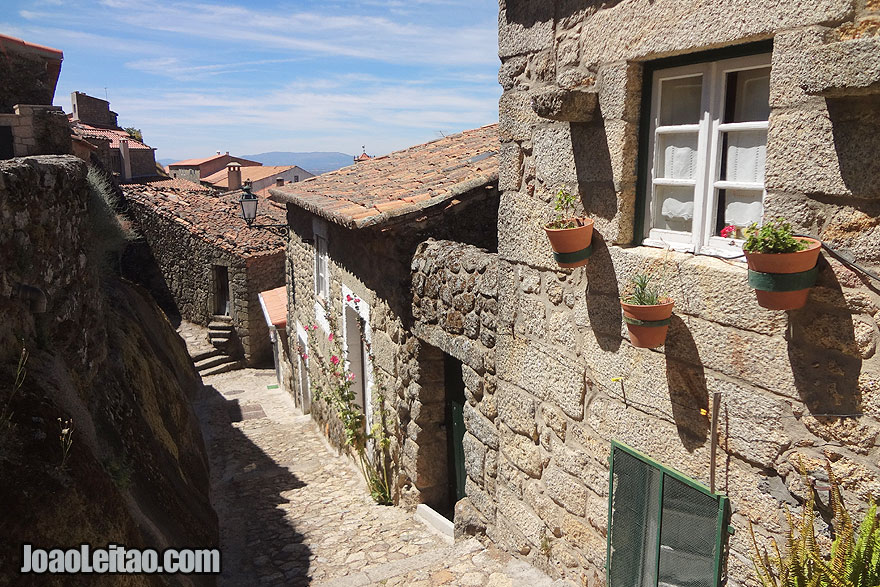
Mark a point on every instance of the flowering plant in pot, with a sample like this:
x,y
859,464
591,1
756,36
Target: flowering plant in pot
x,y
569,236
646,311
782,267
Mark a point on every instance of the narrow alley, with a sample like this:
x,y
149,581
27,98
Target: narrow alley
x,y
292,512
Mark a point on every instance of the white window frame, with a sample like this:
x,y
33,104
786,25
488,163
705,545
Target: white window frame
x,y
321,278
363,311
305,394
709,156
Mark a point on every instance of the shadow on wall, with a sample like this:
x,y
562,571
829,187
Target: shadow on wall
x,y
686,380
823,351
140,266
603,297
256,538
592,160
528,14
855,124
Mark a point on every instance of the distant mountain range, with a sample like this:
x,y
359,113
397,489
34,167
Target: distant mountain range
x,y
316,162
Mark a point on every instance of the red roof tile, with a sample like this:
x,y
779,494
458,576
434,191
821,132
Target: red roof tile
x,y
274,304
203,160
382,189
175,183
213,218
255,173
13,42
114,136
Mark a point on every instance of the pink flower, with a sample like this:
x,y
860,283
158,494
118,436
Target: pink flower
x,y
330,337
350,377
728,231
356,300
348,298
313,327
334,359
305,357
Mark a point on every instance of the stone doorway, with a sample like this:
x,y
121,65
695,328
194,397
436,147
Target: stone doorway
x,y
221,290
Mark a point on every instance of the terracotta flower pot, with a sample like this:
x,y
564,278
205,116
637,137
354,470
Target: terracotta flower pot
x,y
571,246
772,276
647,325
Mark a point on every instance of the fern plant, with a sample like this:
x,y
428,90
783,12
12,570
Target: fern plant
x,y
854,560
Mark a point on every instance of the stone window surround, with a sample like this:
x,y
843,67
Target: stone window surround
x,y
363,310
700,239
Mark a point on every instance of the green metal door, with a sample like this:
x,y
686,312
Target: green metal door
x,y
455,427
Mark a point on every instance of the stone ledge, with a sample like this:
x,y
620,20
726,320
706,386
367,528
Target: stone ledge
x,y
844,68
565,105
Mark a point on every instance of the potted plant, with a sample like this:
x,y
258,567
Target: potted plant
x,y
646,311
782,267
569,236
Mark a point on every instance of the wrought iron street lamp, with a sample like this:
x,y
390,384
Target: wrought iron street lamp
x,y
248,202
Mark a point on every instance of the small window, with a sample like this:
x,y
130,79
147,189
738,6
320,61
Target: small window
x,y
295,178
322,277
664,529
707,148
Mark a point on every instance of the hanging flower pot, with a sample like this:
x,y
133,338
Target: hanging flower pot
x,y
571,246
782,268
647,314
570,237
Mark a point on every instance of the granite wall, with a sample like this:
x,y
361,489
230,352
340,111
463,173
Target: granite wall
x,y
798,385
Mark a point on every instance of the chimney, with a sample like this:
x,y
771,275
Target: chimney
x,y
233,175
218,152
125,159
279,181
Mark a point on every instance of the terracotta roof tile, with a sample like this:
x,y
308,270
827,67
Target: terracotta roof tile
x,y
114,136
251,173
175,183
274,304
405,181
214,218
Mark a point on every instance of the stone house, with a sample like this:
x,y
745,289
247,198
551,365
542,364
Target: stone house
x,y
29,124
672,120
260,177
353,233
204,264
124,156
195,170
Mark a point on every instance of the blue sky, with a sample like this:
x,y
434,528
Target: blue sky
x,y
251,77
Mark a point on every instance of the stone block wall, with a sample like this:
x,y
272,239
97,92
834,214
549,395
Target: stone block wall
x,y
571,379
186,263
38,130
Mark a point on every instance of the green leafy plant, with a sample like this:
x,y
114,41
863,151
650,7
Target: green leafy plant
x,y
564,208
17,382
134,133
641,291
66,438
370,446
773,237
853,561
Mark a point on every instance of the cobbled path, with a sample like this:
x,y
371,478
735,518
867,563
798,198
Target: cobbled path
x,y
293,512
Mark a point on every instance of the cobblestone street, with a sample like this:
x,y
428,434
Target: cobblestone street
x,y
292,512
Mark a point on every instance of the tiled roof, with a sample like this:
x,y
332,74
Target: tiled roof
x,y
214,218
385,188
175,183
274,304
203,160
113,136
19,44
255,173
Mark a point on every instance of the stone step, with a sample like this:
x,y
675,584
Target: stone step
x,y
209,362
221,318
219,327
221,340
230,366
207,353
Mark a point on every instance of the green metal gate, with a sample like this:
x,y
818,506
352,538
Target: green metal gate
x,y
664,529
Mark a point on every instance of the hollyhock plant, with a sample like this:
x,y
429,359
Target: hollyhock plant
x,y
334,359
330,337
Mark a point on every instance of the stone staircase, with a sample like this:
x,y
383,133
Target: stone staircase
x,y
213,349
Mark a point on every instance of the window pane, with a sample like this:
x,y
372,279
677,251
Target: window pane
x,y
750,91
680,100
678,155
674,208
741,208
745,154
635,501
687,536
